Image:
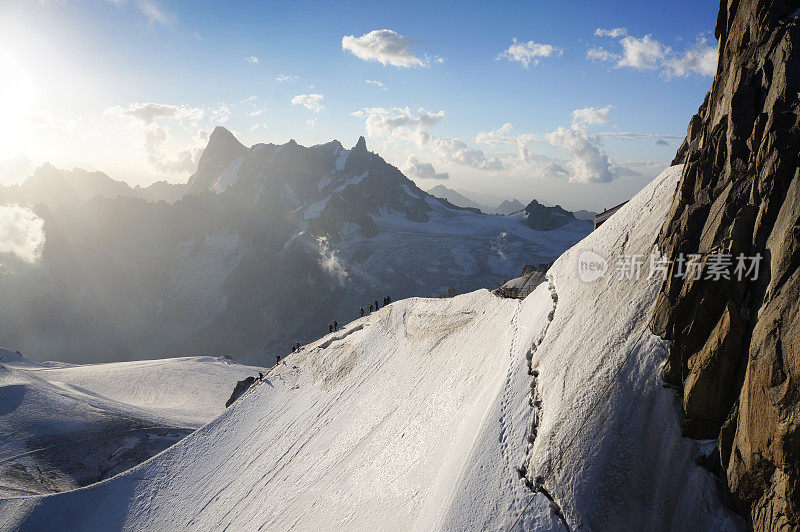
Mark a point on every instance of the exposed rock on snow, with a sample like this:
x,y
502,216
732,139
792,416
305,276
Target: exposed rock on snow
x,y
520,287
547,218
241,387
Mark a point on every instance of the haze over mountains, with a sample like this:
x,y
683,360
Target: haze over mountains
x,y
268,245
488,203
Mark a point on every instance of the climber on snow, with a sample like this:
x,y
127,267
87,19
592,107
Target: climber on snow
x,y
335,326
330,327
362,312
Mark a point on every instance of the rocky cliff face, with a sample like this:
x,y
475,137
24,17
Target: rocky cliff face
x,y
735,348
544,218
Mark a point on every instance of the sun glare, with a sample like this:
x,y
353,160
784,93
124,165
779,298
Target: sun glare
x,y
17,94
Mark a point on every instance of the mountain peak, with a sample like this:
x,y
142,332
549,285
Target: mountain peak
x,y
222,137
361,145
221,132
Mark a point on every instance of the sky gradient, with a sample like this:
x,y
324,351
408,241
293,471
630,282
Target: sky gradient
x,y
577,103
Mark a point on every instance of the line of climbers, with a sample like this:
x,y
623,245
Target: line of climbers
x,y
242,386
374,306
334,326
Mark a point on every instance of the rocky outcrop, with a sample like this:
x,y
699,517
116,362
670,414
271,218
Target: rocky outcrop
x,y
544,218
241,387
735,343
520,287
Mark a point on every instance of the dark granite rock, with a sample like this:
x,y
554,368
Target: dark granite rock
x,y
735,347
241,387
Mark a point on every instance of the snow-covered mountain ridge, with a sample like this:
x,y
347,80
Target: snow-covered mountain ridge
x,y
442,414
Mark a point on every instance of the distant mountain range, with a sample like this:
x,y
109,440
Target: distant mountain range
x,y
462,199
57,188
266,246
509,206
441,191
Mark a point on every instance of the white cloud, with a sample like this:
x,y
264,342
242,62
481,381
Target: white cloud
x,y
600,54
151,9
286,78
587,163
385,46
613,32
311,122
419,170
402,124
252,59
21,233
220,114
456,151
496,137
152,121
503,136
646,53
660,139
148,112
154,12
590,115
642,54
375,83
700,58
398,121
528,53
329,260
312,102
250,99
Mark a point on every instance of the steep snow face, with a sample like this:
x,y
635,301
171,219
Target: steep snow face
x,y
438,414
603,441
229,176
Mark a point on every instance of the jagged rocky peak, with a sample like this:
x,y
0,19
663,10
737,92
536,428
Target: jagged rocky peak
x,y
735,343
222,149
325,185
361,145
545,218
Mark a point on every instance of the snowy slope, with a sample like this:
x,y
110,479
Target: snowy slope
x,y
186,391
63,426
429,414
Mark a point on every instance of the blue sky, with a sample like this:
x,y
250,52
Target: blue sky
x,y
83,72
